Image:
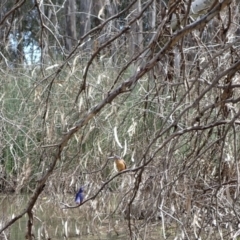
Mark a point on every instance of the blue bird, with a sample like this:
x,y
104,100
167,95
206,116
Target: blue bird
x,y
79,196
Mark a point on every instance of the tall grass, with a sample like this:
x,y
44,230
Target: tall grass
x,y
176,127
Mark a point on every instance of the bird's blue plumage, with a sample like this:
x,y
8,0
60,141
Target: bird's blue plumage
x,y
79,196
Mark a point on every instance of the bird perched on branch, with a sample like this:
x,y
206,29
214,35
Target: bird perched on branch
x,y
119,163
79,196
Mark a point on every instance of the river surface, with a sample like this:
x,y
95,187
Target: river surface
x,y
53,222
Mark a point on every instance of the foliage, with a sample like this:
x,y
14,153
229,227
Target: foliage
x,y
164,98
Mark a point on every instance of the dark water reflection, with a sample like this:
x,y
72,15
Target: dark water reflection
x,y
52,222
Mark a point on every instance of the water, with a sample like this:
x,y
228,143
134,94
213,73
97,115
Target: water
x,y
52,222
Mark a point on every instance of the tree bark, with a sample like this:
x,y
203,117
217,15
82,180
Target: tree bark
x,y
70,27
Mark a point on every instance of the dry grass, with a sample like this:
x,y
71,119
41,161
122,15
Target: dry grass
x,y
176,127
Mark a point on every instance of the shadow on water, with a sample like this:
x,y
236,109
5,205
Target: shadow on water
x,y
52,222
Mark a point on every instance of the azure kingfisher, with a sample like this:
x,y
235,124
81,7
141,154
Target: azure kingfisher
x,y
79,196
119,163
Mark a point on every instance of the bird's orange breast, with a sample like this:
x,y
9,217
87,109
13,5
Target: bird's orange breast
x,y
120,165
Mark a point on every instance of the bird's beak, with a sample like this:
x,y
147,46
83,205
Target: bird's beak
x,y
112,157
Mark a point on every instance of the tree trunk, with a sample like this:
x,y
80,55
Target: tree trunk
x,y
71,35
85,16
136,37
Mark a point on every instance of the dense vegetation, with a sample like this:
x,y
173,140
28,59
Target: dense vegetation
x,y
155,82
